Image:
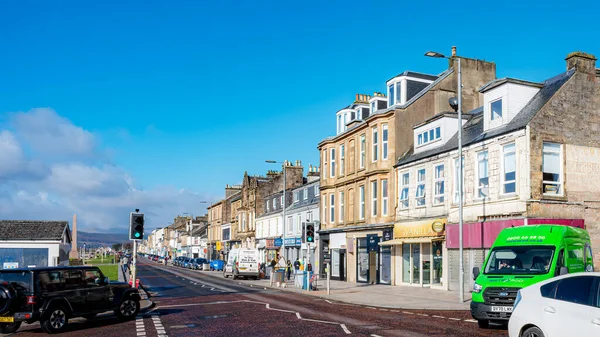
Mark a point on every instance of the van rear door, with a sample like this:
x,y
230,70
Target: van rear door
x,y
248,261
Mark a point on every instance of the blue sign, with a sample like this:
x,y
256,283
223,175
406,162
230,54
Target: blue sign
x,y
372,242
290,241
298,241
278,242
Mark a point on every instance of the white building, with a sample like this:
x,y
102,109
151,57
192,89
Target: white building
x,y
304,208
269,227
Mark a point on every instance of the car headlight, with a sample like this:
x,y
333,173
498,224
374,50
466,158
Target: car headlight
x,y
477,288
518,299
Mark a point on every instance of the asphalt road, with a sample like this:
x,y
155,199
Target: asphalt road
x,y
192,303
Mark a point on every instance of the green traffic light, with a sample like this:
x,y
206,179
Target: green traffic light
x,y
137,235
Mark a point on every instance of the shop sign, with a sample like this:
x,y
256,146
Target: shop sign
x,y
327,258
270,243
388,234
278,242
290,241
372,242
431,228
218,245
298,241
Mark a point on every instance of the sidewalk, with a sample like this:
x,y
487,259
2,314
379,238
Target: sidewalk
x,y
386,296
145,303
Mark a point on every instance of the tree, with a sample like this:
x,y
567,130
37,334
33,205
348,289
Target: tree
x,y
117,247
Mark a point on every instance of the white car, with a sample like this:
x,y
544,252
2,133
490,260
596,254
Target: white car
x,y
568,305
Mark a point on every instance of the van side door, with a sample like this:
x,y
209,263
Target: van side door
x,y
560,262
588,257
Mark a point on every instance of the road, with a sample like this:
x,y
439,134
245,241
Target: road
x,y
192,303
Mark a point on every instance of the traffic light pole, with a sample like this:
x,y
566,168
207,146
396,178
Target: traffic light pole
x,y
134,264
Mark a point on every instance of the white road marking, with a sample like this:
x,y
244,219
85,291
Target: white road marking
x,y
470,320
436,316
408,313
454,319
374,335
160,329
328,301
423,315
345,329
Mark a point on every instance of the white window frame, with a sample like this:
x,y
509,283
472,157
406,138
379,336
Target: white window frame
x,y
375,147
455,194
290,224
363,149
384,197
361,211
391,91
324,207
374,194
438,199
479,188
332,162
421,136
332,207
305,193
373,106
384,142
342,158
341,215
501,110
325,164
281,199
404,185
503,180
296,196
296,229
274,204
243,222
317,186
419,197
561,178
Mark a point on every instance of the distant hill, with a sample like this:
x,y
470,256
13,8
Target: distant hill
x,y
100,239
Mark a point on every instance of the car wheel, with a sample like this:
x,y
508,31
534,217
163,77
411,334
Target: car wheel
x,y
128,309
483,324
55,320
9,328
534,331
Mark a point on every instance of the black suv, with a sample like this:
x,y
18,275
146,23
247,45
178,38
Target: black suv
x,y
52,295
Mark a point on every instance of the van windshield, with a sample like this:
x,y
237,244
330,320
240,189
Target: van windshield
x,y
520,260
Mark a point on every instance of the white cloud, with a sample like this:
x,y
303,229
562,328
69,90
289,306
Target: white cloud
x,y
55,178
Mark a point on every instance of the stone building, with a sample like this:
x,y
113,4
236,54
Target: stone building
x,y
357,174
527,160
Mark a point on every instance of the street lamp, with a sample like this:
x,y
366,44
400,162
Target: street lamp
x,y
284,203
208,230
456,104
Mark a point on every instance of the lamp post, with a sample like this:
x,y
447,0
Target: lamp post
x,y
284,203
456,104
208,230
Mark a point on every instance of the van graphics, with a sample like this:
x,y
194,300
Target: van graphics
x,y
526,238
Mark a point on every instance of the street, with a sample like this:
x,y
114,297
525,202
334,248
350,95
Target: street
x,y
192,303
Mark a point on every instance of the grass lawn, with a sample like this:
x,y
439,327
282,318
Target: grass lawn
x,y
108,259
110,271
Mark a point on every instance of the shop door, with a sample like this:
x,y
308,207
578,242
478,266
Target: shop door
x,y
342,265
416,262
385,265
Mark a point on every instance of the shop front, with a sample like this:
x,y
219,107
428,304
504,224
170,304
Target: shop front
x,y
418,249
338,253
272,248
373,260
292,247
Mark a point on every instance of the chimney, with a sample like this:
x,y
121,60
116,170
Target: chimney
x,y
453,51
357,97
582,62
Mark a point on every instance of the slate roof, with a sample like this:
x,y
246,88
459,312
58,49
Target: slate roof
x,y
33,230
499,81
416,75
473,129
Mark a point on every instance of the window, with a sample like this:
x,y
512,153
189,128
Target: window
x,y
391,93
575,290
332,163
282,199
332,208
547,290
91,276
50,281
374,198
359,113
438,196
243,222
398,92
384,197
552,169
299,226
296,196
496,108
375,141
373,106
456,178
420,194
429,136
404,184
305,192
73,279
274,208
363,146
384,145
361,212
483,187
509,169
324,208
341,218
290,224
316,189
324,164
268,206
339,124
342,158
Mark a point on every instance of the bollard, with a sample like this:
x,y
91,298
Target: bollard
x,y
328,279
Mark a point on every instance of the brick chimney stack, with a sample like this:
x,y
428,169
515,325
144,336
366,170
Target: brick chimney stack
x,y
582,62
453,51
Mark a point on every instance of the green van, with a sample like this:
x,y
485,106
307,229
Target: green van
x,y
522,256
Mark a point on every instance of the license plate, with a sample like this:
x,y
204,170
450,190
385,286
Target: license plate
x,y
7,319
242,268
502,309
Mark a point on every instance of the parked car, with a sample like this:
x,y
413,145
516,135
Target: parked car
x,y
568,305
53,295
198,262
242,262
522,256
186,262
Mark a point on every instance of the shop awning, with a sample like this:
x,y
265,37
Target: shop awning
x,y
407,240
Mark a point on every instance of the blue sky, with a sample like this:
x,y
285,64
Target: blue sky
x,y
187,95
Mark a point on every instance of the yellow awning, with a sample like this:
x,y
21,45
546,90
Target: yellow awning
x,y
391,242
407,240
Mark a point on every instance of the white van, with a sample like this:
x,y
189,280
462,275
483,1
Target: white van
x,y
242,262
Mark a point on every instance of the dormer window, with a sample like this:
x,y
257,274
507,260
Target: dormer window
x,y
391,96
496,108
395,93
429,136
373,106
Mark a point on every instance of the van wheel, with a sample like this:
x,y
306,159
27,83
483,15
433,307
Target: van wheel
x,y
483,324
234,275
534,331
55,320
9,328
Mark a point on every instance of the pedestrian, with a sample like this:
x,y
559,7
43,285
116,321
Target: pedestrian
x,y
289,269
